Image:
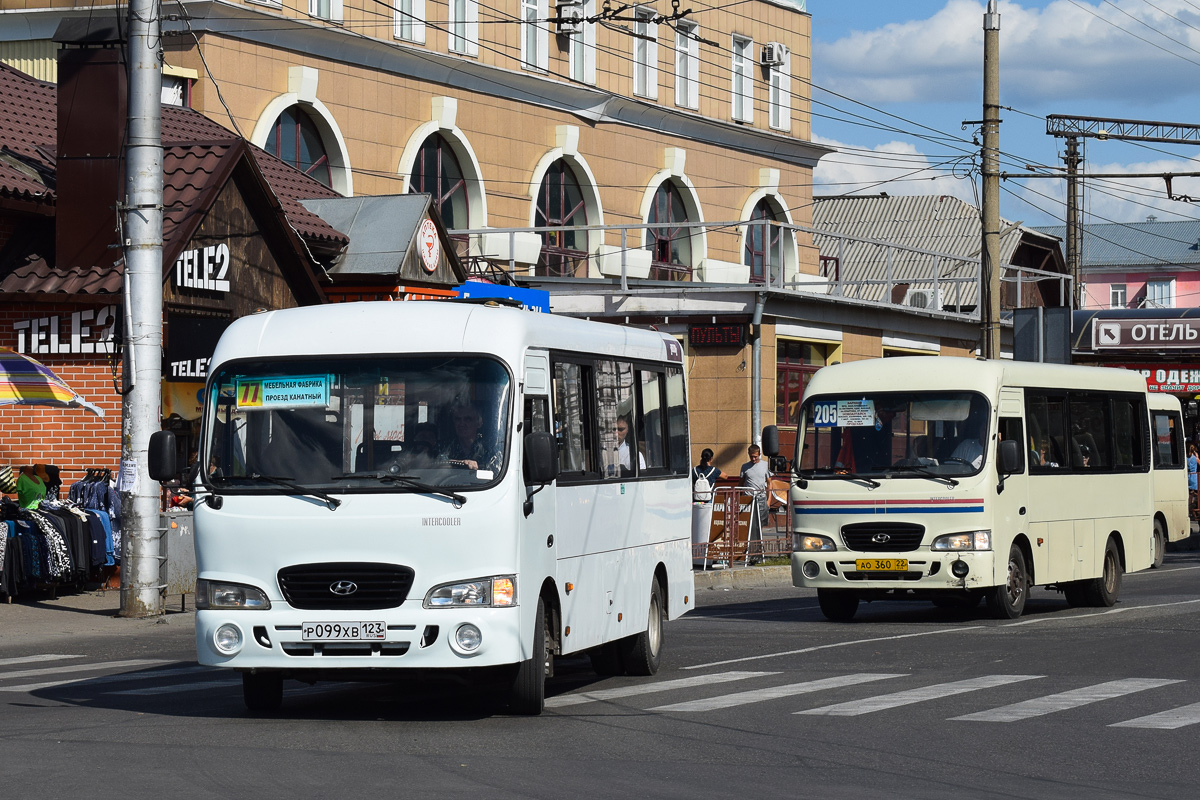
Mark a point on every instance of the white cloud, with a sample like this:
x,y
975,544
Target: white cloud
x,y
896,168
1068,50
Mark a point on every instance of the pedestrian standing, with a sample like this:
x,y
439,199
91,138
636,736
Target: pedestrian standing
x,y
1193,467
704,484
756,480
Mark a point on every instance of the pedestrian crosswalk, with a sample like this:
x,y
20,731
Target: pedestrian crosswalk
x,y
1163,704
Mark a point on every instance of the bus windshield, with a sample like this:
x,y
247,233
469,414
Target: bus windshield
x,y
358,424
894,435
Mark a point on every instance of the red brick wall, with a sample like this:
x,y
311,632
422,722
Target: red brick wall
x,y
74,439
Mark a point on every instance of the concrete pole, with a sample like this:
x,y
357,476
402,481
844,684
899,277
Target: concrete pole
x,y
1074,228
141,594
989,306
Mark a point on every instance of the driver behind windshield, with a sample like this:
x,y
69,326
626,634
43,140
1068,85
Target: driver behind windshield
x,y
467,447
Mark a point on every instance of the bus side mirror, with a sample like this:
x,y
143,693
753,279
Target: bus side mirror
x,y
541,458
1010,457
161,456
770,441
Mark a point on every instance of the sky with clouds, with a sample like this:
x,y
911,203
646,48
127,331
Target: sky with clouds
x,y
895,81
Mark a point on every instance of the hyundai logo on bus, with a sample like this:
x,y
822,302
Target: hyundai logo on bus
x,y
881,538
343,588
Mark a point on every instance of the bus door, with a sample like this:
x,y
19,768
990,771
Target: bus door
x,y
537,543
1010,514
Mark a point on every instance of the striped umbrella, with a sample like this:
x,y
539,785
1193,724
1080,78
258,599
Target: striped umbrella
x,y
26,382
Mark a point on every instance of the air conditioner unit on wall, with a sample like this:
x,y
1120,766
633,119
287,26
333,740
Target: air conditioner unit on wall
x,y
773,54
570,17
921,298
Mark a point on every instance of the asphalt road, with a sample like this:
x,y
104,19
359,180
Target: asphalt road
x,y
758,696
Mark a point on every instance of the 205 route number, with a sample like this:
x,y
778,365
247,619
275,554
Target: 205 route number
x,y
343,631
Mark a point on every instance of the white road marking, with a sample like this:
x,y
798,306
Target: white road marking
x,y
226,683
695,615
935,692
1165,720
1120,610
647,688
1064,701
776,692
133,662
106,679
835,644
29,659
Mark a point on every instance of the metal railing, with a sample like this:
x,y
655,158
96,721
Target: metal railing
x,y
733,510
866,270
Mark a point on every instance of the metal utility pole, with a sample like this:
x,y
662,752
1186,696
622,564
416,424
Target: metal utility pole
x,y
141,594
1074,222
989,278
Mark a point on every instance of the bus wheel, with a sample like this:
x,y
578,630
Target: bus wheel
x,y
528,694
1007,600
1160,544
1102,592
262,691
642,652
838,605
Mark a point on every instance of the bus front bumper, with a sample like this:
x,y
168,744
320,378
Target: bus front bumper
x,y
921,569
413,639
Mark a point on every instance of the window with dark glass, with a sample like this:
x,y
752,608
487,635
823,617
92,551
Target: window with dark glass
x,y
1168,440
437,172
560,203
670,241
764,243
294,138
677,423
651,418
796,362
572,418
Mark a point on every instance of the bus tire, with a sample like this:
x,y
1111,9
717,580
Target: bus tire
x,y
1160,544
528,694
642,653
262,692
1102,592
838,605
1007,601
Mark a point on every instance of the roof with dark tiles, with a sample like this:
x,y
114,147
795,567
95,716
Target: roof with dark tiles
x,y
193,146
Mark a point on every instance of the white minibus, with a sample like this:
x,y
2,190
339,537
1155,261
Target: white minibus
x,y
1172,519
392,487
954,480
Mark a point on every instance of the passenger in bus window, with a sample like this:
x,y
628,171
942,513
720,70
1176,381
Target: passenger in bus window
x,y
970,449
624,457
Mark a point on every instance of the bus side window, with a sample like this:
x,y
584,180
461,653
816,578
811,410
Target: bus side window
x,y
650,419
1044,416
1010,430
1168,445
1129,452
677,423
572,412
537,416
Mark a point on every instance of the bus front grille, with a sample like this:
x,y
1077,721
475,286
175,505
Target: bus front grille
x,y
883,537
345,587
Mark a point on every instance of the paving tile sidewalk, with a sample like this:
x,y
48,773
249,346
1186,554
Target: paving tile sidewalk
x,y
37,618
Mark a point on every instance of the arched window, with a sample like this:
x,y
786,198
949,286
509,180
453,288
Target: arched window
x,y
295,139
670,244
764,243
437,172
560,202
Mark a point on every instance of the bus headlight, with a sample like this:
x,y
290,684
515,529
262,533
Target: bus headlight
x,y
223,595
495,592
228,638
812,542
971,540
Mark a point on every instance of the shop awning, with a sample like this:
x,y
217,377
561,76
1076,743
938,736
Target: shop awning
x,y
26,382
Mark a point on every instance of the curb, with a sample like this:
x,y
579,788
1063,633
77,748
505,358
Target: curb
x,y
743,578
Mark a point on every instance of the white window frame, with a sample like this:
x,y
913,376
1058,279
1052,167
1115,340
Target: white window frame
x,y
741,75
687,65
645,54
334,13
463,27
581,49
779,95
410,20
1117,296
535,35
1167,301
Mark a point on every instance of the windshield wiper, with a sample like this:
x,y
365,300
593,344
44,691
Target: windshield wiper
x,y
286,482
854,476
406,480
924,472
